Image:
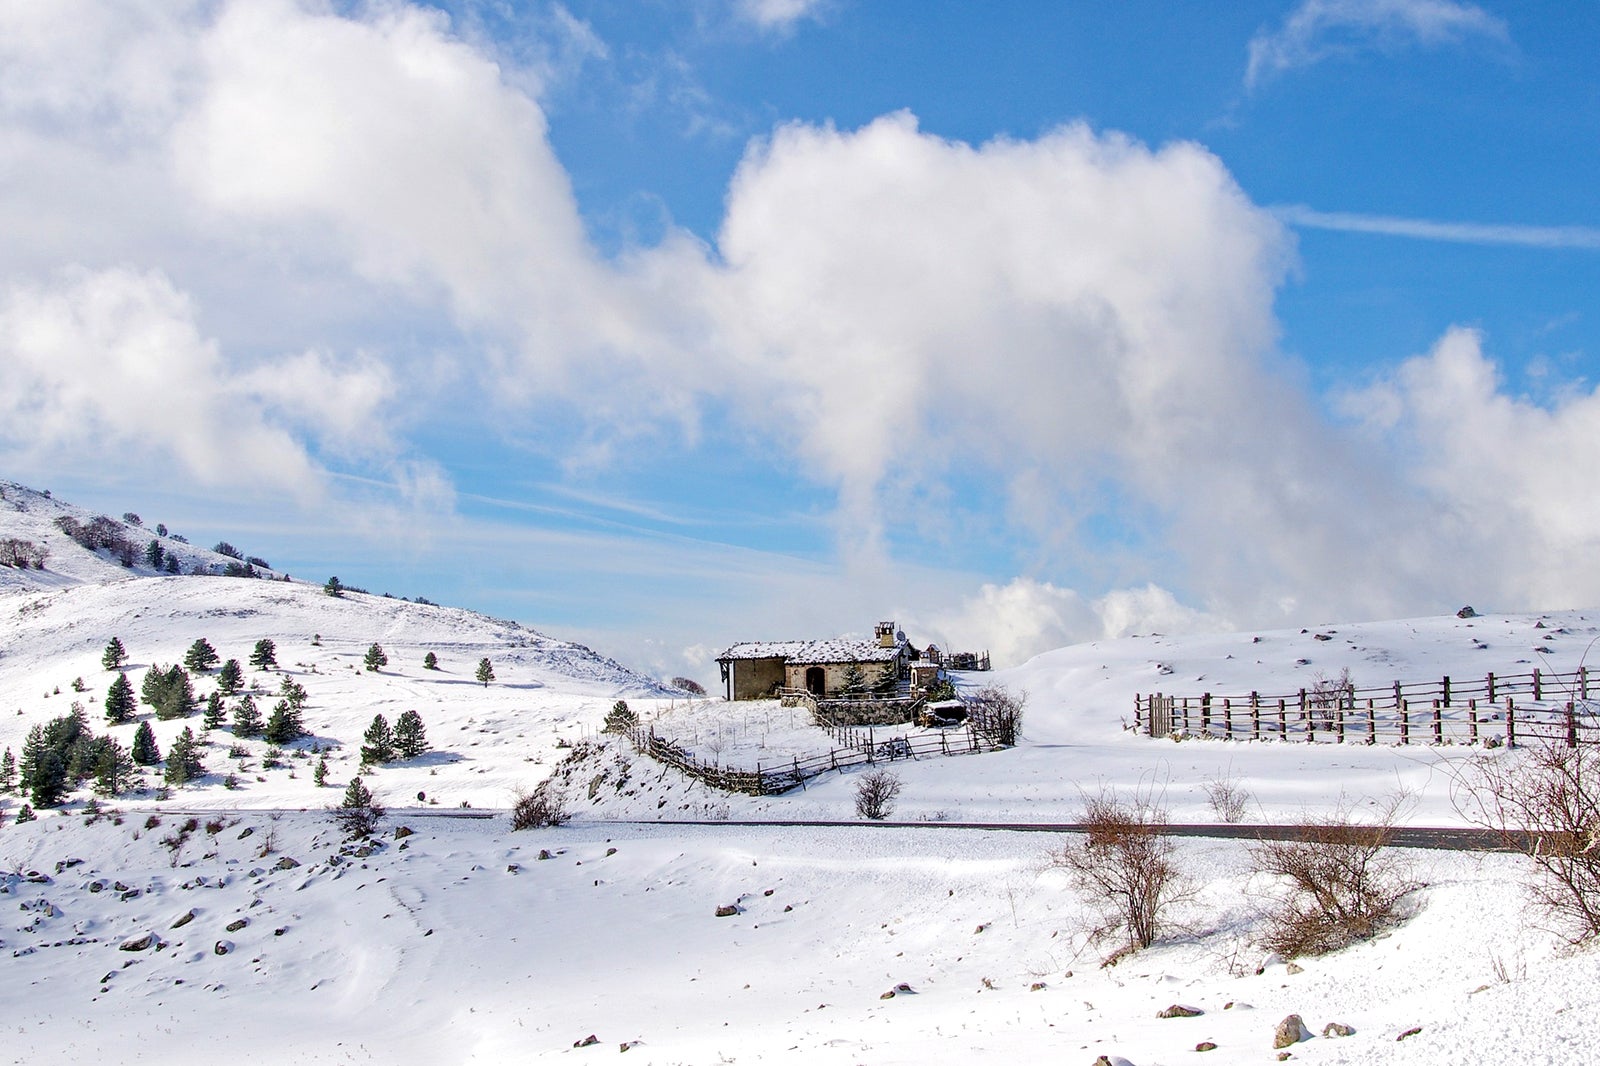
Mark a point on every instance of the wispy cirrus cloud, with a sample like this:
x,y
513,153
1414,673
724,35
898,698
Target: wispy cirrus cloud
x,y
1321,29
1583,237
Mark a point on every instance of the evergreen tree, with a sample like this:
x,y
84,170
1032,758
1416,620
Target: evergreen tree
x,y
379,746
246,718
214,715
430,661
154,555
201,656
145,752
376,658
333,588
409,738
621,719
113,769
319,775
25,814
120,703
284,725
485,671
293,693
168,691
115,655
855,681
8,772
183,759
230,678
173,565
265,657
358,814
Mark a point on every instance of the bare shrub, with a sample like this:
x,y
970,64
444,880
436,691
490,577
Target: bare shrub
x,y
539,809
1344,884
1544,802
875,794
1125,866
1328,694
996,712
1229,798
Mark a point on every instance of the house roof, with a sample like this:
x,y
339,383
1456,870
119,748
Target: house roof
x,y
813,652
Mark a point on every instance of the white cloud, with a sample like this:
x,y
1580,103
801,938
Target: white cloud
x,y
1585,237
110,369
1319,29
778,15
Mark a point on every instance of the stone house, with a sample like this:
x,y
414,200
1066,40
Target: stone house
x,y
758,669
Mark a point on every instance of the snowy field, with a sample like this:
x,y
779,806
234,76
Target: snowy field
x,y
458,943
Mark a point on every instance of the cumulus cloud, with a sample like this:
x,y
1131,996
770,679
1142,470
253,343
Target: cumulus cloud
x,y
778,15
1320,29
111,369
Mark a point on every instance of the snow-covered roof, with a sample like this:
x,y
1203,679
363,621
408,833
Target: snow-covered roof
x,y
803,652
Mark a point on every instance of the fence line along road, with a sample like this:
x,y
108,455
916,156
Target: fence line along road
x,y
1496,708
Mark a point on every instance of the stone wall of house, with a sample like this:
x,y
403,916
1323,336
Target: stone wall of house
x,y
833,675
754,679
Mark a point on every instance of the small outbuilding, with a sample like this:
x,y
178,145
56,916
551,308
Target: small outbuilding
x,y
760,669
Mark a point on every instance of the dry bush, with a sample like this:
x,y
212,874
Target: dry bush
x,y
1344,884
539,809
875,794
1544,802
1228,797
996,713
1124,864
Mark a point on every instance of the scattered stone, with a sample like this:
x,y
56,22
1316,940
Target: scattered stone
x,y
1178,1010
544,854
1294,968
587,1041
1284,1056
1338,1029
97,886
286,863
513,868
1290,1031
183,919
1037,986
904,989
768,892
67,864
1205,1045
246,831
787,908
137,943
402,831
1413,1031
626,1044
981,927
222,947
282,929
237,924
610,852
887,995
727,910
1467,612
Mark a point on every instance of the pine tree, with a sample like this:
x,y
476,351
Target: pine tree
x,y
376,658
120,703
173,565
485,671
145,752
430,661
114,656
379,746
174,695
358,814
293,693
113,769
247,718
154,555
183,759
8,772
333,588
319,775
265,657
230,678
855,681
284,725
409,738
25,814
201,656
214,715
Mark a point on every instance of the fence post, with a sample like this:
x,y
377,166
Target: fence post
x,y
1397,696
1138,702
1538,693
1186,714
1205,714
1340,722
1283,727
1491,690
1572,727
1472,718
1372,724
1511,724
1305,715
1438,724
1583,682
1405,723
1444,690
1255,716
1227,719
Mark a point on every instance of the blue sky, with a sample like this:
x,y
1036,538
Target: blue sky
x,y
664,325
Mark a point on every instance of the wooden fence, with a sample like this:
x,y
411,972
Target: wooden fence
x,y
861,746
1537,705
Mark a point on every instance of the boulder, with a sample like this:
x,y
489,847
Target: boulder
x,y
1338,1029
222,947
1290,1031
141,942
183,919
1178,1010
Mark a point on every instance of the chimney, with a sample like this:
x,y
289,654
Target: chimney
x,y
885,634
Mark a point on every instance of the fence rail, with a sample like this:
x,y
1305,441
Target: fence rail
x,y
1537,705
861,746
